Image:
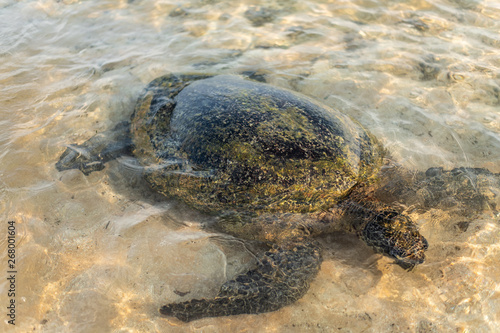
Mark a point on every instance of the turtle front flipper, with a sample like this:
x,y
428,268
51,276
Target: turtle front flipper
x,y
281,278
99,149
468,190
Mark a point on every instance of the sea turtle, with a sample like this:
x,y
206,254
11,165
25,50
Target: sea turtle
x,y
273,166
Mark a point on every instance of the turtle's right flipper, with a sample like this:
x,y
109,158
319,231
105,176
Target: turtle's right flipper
x,y
281,278
99,149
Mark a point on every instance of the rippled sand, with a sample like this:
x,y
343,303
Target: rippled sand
x,y
102,253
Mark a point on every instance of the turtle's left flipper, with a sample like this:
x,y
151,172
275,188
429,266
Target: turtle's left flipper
x,y
99,149
281,278
472,190
468,191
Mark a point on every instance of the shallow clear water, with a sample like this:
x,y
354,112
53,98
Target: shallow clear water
x,y
102,253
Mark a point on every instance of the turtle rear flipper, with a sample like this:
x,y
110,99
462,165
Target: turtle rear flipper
x,y
99,149
281,278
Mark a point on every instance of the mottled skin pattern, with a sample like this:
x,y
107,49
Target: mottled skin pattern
x,y
277,167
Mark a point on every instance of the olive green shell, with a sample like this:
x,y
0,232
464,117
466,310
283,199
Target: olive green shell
x,y
229,143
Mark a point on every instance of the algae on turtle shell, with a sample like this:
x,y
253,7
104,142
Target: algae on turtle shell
x,y
226,142
274,166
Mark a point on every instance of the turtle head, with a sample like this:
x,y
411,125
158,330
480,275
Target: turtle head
x,y
396,236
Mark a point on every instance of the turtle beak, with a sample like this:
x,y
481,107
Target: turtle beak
x,y
414,255
396,236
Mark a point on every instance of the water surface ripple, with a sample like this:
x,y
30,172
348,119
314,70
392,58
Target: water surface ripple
x,y
102,253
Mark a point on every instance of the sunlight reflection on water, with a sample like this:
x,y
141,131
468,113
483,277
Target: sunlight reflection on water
x,y
102,253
